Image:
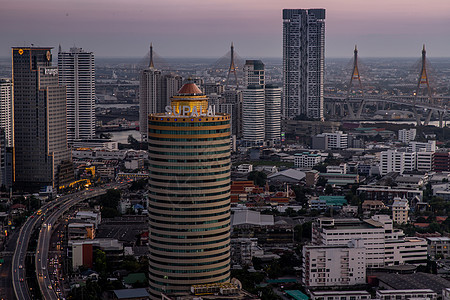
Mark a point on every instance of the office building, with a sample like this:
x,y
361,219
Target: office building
x,y
334,265
6,109
307,160
384,245
392,161
303,62
340,295
272,112
429,146
189,194
407,135
441,161
253,115
424,161
423,294
77,73
254,73
438,247
42,157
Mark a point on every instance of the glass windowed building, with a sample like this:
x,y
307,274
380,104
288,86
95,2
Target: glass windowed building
x,y
189,194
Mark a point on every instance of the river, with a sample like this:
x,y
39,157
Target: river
x,y
122,136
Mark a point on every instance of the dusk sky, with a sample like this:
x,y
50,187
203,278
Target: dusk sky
x,y
205,28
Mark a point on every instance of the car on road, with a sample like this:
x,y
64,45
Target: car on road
x,y
20,266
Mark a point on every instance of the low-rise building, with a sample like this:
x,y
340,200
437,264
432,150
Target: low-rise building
x,y
307,160
334,265
438,247
340,295
400,209
423,294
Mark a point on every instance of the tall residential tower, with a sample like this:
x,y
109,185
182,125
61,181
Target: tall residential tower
x,y
303,62
77,73
42,157
189,194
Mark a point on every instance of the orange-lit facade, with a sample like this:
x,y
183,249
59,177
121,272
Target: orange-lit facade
x,y
189,194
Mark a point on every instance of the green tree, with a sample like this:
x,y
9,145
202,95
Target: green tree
x,y
258,178
100,262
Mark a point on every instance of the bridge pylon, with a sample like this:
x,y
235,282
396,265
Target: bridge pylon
x,y
355,76
232,68
423,81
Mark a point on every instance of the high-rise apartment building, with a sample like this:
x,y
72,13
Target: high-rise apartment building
x,y
6,109
233,104
155,90
42,157
189,194
303,62
254,73
149,90
272,112
253,115
170,85
77,73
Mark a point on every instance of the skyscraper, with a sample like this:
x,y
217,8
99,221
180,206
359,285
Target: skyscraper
x,y
155,90
272,112
77,73
42,157
253,115
6,109
233,103
303,62
189,194
6,132
254,73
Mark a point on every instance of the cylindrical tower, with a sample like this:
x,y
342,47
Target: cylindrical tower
x,y
273,112
189,194
253,115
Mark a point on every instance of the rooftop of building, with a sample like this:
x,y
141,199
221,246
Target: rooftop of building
x,y
132,293
417,280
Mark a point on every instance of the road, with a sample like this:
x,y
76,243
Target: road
x,y
18,264
41,259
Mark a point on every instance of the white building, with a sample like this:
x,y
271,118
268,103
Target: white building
x,y
77,73
340,169
424,161
6,109
340,295
337,140
245,168
254,73
253,115
392,161
90,217
273,112
384,245
334,265
409,161
400,209
306,160
422,294
429,146
407,135
303,62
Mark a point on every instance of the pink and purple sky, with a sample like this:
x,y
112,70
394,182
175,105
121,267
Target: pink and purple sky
x,y
205,28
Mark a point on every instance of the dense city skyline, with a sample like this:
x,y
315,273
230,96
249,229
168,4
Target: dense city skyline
x,y
205,29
